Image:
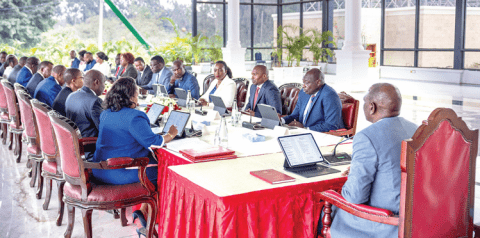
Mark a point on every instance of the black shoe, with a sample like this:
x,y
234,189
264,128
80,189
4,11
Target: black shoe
x,y
115,213
142,231
138,214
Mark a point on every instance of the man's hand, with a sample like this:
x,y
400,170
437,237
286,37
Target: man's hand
x,y
346,172
203,102
250,112
296,123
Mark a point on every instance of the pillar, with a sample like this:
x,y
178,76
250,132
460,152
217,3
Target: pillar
x,y
233,53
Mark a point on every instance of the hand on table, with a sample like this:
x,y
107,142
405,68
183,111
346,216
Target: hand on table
x,y
250,112
346,172
296,123
203,102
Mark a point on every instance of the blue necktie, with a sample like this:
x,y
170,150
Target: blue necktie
x,y
308,110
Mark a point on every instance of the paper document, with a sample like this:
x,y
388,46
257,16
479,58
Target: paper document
x,y
187,143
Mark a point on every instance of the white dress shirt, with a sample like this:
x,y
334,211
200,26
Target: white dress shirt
x,y
226,90
104,68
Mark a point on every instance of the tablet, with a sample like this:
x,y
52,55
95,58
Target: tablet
x,y
179,119
181,94
219,106
300,150
154,112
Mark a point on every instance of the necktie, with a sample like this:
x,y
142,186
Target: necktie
x,y
255,98
307,109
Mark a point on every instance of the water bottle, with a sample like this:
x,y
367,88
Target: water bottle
x,y
167,114
190,102
221,135
234,113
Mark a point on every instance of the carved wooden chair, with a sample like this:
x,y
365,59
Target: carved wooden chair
x,y
349,116
15,127
4,116
81,192
438,182
241,94
289,94
207,81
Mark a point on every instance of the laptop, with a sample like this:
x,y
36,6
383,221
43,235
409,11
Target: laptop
x,y
270,117
153,114
159,88
219,106
302,156
179,119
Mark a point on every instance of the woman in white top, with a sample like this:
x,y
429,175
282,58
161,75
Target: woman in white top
x,y
102,64
222,86
11,62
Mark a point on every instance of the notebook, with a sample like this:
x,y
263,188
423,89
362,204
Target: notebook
x,y
272,176
302,156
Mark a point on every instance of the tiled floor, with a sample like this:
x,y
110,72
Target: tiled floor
x,y
23,215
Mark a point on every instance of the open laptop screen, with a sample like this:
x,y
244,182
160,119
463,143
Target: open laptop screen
x,y
179,119
300,150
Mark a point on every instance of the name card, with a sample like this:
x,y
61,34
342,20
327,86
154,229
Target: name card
x,y
212,116
281,131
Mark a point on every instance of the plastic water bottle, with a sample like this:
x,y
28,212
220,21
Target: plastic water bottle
x,y
221,135
190,102
234,113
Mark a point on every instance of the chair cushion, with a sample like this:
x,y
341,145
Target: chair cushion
x,y
4,117
107,193
50,167
348,114
14,126
289,96
241,94
33,150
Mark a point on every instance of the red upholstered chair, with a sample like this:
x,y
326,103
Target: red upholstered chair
x,y
207,81
15,127
350,116
242,88
80,191
289,93
49,168
4,116
34,154
437,191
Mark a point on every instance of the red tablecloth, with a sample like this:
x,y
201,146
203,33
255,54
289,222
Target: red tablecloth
x,y
188,210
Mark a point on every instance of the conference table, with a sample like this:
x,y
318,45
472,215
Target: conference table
x,y
221,198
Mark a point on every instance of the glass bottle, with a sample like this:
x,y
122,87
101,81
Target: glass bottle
x,y
221,135
234,113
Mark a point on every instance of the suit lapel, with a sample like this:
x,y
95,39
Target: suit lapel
x,y
260,93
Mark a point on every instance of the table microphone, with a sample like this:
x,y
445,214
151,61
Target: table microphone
x,y
199,111
340,157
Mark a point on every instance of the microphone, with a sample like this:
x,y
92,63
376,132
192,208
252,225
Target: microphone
x,y
199,111
339,158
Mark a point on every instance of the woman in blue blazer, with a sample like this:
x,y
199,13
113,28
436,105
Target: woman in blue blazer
x,y
125,132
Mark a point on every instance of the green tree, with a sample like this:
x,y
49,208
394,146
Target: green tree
x,y
25,20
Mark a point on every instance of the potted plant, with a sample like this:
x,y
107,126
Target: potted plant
x,y
214,52
318,47
196,44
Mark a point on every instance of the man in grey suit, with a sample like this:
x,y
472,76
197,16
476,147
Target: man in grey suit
x,y
161,75
374,175
144,73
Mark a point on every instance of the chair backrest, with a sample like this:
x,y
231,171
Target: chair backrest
x,y
69,149
3,100
242,88
48,145
13,109
289,93
207,81
28,118
18,86
350,114
258,56
438,178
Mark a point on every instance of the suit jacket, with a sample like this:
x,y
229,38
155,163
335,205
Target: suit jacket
x,y
47,91
2,68
75,63
130,71
187,82
125,133
90,65
374,177
12,78
268,94
24,76
59,102
227,91
163,77
84,108
325,113
33,83
145,77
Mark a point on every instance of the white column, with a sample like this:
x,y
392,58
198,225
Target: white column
x,y
233,53
100,26
352,60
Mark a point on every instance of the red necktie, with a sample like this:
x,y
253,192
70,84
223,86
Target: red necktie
x,y
255,98
118,69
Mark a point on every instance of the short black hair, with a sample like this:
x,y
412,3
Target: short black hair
x,y
139,59
3,53
90,53
102,56
82,52
23,60
158,58
70,74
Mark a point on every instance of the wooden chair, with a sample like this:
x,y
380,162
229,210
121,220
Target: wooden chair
x,y
289,94
437,192
207,81
79,191
241,94
15,127
4,116
350,116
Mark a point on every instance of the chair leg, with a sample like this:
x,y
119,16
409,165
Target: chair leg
x,y
4,133
18,147
29,163
40,180
60,185
327,218
34,173
11,141
71,221
152,217
87,222
123,216
48,192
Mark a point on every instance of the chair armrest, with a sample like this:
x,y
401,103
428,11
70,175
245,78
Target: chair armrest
x,y
118,163
87,140
363,211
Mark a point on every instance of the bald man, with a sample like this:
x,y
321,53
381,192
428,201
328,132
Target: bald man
x,y
48,89
44,71
374,175
263,91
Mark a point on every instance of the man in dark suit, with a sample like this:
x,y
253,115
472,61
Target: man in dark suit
x,y
3,59
44,72
144,73
48,89
160,74
75,61
318,107
12,77
117,65
374,176
182,79
89,61
73,81
263,91
27,72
